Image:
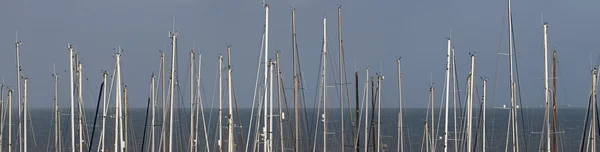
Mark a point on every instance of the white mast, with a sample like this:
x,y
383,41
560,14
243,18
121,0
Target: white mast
x,y
25,114
200,104
173,36
230,126
379,78
80,101
57,131
324,73
400,99
447,81
72,97
18,54
153,98
104,110
296,80
118,135
470,104
163,143
10,120
513,101
366,111
265,142
271,64
280,105
191,140
341,68
483,141
546,89
220,121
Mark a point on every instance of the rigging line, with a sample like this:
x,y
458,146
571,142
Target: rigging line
x,y
145,125
519,91
237,113
303,97
317,99
493,93
95,118
49,132
287,109
333,70
586,121
256,81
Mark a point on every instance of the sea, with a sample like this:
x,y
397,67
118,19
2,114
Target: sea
x,y
570,124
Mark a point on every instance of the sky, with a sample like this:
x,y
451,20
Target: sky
x,y
375,33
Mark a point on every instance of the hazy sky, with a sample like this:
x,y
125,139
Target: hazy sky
x,y
375,33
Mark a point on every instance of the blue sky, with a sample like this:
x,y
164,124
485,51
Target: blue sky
x,y
375,33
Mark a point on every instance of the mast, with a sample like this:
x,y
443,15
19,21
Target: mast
x,y
470,105
324,83
118,133
71,95
357,137
379,78
173,36
266,142
341,58
555,146
164,101
546,87
80,102
230,126
25,114
296,80
57,131
191,140
104,111
201,105
513,101
594,107
400,99
153,98
280,105
126,119
483,137
454,96
367,111
10,120
447,81
271,64
220,121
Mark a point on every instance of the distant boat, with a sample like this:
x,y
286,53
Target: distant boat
x,y
504,107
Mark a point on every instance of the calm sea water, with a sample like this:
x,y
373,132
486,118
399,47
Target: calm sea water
x,y
570,122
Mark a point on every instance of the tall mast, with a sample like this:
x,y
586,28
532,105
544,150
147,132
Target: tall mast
x,y
118,132
200,104
513,101
379,78
220,121
357,137
483,137
57,131
191,140
80,102
280,105
164,100
324,73
72,97
230,126
271,64
546,87
25,114
454,96
10,120
296,87
367,110
266,62
594,107
173,36
470,105
447,81
400,99
341,58
104,111
125,119
555,146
